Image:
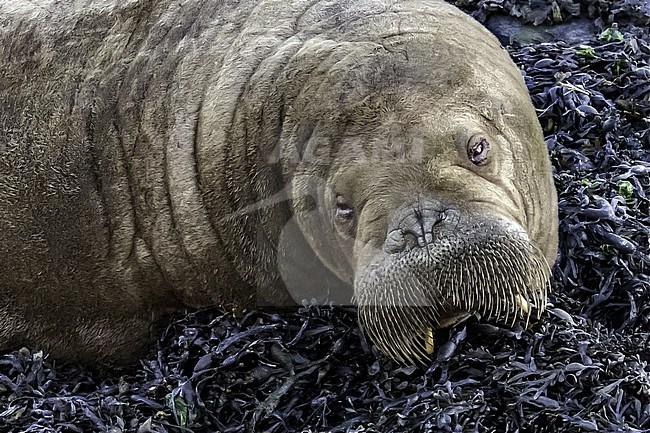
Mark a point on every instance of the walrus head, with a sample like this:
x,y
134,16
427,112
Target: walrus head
x,y
420,176
442,223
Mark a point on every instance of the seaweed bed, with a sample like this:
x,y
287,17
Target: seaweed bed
x,y
583,367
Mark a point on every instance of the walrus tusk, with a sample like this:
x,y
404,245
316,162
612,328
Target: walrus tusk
x,y
523,304
429,345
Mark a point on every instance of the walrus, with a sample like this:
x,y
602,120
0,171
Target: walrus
x,y
158,155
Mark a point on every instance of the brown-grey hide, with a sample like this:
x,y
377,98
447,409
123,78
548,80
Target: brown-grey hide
x,y
157,154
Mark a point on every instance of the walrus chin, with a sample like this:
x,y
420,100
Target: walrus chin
x,y
494,271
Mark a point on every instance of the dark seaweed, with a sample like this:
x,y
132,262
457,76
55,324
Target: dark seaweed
x,y
633,13
583,367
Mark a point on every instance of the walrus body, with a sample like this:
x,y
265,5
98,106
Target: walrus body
x,y
162,154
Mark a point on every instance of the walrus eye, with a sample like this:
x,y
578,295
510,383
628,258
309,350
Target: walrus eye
x,y
343,211
477,150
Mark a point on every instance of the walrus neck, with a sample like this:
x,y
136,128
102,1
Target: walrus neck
x,y
160,206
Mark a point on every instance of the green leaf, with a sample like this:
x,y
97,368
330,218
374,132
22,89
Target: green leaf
x,y
181,408
611,34
587,51
626,189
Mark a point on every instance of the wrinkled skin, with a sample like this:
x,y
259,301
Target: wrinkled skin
x,y
261,152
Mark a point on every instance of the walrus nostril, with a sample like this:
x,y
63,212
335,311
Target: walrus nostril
x,y
398,240
395,241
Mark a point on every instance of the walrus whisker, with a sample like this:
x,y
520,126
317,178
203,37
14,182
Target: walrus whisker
x,y
479,276
402,344
543,272
505,292
404,323
456,284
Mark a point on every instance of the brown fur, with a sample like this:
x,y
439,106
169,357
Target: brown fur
x,y
155,156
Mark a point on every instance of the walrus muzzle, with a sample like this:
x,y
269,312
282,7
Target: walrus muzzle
x,y
438,267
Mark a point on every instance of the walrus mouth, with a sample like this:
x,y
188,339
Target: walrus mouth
x,y
402,297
